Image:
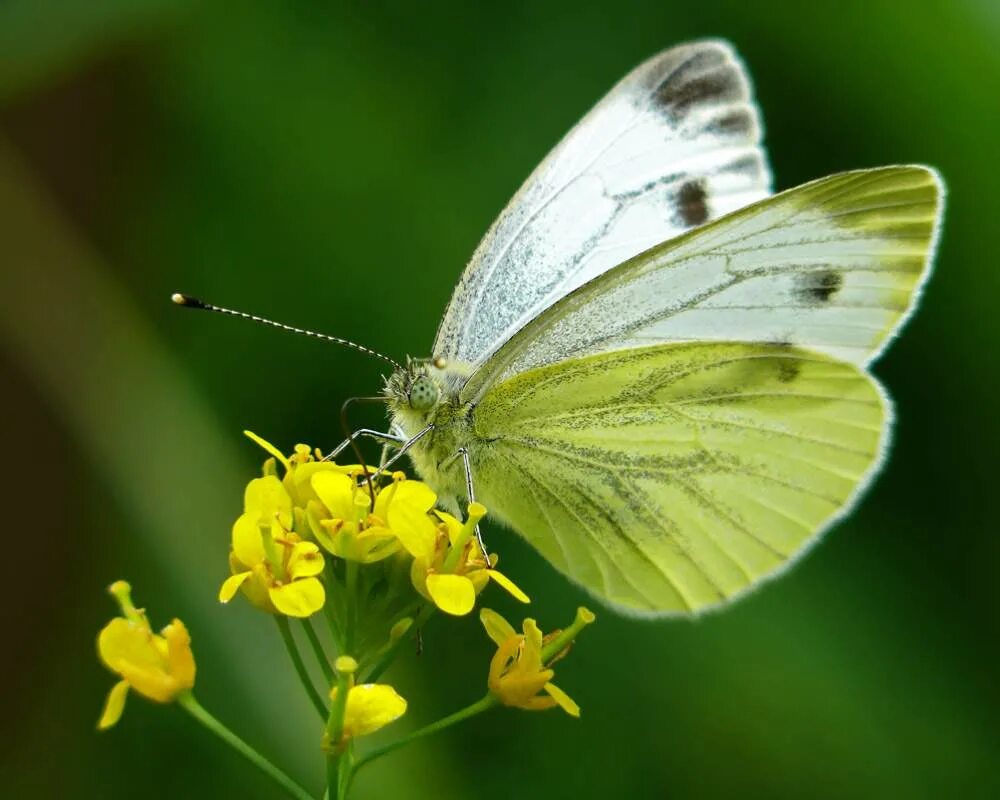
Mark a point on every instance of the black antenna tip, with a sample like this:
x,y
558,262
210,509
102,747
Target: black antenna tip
x,y
186,300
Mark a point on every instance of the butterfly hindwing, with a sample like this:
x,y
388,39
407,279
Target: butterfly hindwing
x,y
669,479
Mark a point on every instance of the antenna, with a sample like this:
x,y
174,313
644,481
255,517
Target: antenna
x,y
188,301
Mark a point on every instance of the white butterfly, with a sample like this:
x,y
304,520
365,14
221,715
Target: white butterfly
x,y
654,370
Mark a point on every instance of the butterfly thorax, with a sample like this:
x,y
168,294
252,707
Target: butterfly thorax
x,y
422,394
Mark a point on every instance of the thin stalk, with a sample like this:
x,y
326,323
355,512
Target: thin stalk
x,y
195,709
335,734
333,609
318,651
300,667
386,659
351,615
346,772
481,705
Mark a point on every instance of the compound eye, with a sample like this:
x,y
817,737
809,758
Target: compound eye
x,y
423,394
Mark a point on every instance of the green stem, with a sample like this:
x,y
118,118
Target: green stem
x,y
195,709
332,779
331,621
346,772
300,667
318,651
481,705
334,736
389,655
351,612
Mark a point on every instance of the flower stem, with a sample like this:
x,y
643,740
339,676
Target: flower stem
x,y
481,705
351,626
318,651
389,655
336,632
336,751
195,709
300,667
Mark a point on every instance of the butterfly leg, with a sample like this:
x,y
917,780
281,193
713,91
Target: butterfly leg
x,y
404,446
390,439
470,492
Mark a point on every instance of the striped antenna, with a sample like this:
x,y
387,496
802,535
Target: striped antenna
x,y
188,301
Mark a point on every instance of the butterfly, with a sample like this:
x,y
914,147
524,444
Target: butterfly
x,y
653,369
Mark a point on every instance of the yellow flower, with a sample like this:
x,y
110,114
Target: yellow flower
x,y
345,522
370,706
157,666
520,671
273,566
449,567
299,468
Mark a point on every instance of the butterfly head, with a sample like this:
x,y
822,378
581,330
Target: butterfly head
x,y
417,386
424,393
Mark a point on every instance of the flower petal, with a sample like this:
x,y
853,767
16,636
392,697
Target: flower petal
x,y
231,585
453,594
531,655
247,544
497,628
274,451
336,491
371,706
299,480
564,701
508,584
416,494
113,706
452,525
267,498
377,543
407,516
180,659
415,531
154,683
123,641
304,561
298,598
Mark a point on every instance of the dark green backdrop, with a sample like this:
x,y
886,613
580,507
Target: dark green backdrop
x,y
334,166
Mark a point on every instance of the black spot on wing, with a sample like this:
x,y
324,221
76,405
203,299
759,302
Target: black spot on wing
x,y
706,78
788,370
734,123
788,365
817,288
691,203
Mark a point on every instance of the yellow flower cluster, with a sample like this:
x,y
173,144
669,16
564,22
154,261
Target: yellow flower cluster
x,y
276,558
376,554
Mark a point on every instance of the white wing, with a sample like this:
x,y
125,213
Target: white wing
x,y
674,144
835,265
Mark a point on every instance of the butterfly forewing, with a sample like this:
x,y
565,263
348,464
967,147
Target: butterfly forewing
x,y
674,144
835,265
670,479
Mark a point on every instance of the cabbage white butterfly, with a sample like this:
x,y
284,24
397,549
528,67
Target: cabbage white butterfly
x,y
653,369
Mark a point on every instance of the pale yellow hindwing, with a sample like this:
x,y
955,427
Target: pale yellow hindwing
x,y
671,478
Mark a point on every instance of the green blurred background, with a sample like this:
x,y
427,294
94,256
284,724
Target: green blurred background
x,y
334,166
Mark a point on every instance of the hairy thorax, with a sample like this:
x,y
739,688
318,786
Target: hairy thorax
x,y
436,455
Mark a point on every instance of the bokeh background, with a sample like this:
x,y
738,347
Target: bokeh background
x,y
333,165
